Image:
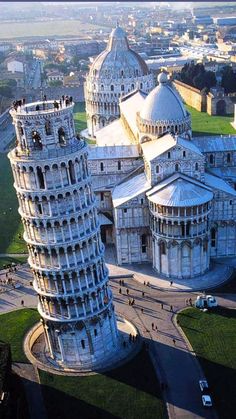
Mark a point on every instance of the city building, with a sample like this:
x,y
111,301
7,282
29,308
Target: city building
x,y
167,198
61,229
115,72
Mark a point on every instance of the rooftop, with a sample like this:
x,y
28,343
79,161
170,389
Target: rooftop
x,y
155,148
178,191
41,107
130,189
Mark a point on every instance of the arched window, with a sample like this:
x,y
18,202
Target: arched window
x,y
72,172
188,228
168,155
122,87
196,166
119,165
132,86
40,178
101,166
213,237
62,136
176,167
102,87
163,248
157,169
95,332
211,159
48,128
184,153
141,85
144,243
83,343
122,73
228,158
37,140
112,88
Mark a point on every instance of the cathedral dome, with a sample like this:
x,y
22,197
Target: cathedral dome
x,y
163,103
118,60
163,111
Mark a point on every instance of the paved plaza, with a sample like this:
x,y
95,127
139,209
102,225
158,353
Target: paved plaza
x,y
174,362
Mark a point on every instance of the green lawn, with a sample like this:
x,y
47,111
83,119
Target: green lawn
x,y
47,28
80,116
10,224
80,119
129,392
213,337
204,124
14,326
10,260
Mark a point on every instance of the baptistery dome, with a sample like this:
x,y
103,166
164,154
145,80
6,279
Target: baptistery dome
x,y
118,60
116,72
163,111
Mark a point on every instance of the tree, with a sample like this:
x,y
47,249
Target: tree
x,y
55,83
228,80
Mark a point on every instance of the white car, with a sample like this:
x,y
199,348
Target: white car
x,y
206,400
203,384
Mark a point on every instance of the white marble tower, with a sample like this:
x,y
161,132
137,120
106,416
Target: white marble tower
x,y
61,229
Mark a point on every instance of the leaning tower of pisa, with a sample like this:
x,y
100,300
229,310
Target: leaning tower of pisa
x,y
61,229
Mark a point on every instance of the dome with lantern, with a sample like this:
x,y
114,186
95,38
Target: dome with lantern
x,y
163,111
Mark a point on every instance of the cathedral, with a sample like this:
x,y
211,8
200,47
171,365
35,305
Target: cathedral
x,y
164,196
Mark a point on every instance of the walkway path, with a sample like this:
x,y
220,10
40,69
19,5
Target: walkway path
x,y
30,379
174,364
219,273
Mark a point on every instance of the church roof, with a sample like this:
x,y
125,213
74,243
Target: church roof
x,y
218,183
223,172
113,152
128,190
215,143
117,57
112,134
155,148
180,191
130,105
163,103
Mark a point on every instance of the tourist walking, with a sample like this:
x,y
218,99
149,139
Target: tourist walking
x,y
127,291
174,342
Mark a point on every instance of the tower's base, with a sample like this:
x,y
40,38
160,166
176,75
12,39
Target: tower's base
x,y
37,352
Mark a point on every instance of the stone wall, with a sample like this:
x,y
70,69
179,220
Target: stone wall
x,y
220,104
191,96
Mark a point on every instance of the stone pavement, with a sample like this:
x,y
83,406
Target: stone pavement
x,y
11,298
218,274
173,363
30,379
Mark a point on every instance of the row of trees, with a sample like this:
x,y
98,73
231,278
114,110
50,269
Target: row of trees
x,y
197,76
7,88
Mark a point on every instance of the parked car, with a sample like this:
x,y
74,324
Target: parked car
x,y
205,301
206,400
203,384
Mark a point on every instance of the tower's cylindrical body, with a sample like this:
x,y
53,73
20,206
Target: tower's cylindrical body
x,y
61,228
